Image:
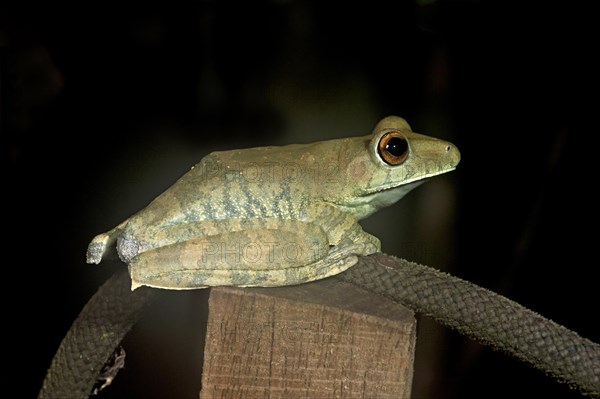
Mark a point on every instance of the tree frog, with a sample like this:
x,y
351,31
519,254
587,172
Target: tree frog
x,y
274,216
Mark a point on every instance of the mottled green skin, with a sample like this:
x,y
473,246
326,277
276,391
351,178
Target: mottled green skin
x,y
271,216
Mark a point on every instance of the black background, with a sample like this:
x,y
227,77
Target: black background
x,y
103,108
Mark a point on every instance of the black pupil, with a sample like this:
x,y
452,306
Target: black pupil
x,y
396,146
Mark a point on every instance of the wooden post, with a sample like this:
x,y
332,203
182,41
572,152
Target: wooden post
x,y
326,339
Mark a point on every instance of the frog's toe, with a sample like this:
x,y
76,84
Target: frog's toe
x,y
95,251
364,247
127,248
97,248
372,247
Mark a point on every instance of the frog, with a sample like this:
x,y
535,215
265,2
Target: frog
x,y
275,215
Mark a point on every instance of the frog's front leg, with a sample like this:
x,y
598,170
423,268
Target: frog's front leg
x,y
250,252
342,229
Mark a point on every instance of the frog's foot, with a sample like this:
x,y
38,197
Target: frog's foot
x,y
361,248
100,244
341,257
358,244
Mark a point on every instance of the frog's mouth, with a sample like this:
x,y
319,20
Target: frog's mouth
x,y
366,203
402,189
388,196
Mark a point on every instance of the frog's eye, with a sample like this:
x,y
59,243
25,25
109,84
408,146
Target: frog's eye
x,y
393,148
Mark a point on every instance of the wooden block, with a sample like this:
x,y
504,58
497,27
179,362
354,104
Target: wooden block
x,y
321,340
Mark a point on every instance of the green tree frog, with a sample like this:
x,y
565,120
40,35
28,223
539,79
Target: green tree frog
x,y
274,216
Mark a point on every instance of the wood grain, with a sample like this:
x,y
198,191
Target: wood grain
x,y
321,340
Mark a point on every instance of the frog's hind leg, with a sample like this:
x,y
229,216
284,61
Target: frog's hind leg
x,y
144,271
99,246
254,255
264,255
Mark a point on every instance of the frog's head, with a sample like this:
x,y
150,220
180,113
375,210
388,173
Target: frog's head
x,y
381,168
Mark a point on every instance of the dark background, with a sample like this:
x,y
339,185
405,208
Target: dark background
x,y
103,108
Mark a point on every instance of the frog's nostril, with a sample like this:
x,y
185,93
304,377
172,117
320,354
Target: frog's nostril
x,y
127,248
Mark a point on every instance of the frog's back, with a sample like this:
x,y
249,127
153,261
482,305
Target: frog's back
x,y
252,183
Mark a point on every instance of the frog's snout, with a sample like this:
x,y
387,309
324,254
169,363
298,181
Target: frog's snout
x,y
452,154
127,248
